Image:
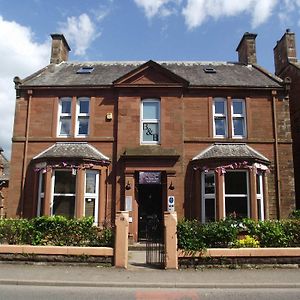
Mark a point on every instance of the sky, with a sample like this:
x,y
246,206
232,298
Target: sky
x,y
132,30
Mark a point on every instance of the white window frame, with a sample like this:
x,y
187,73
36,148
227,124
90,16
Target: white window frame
x,y
41,195
94,196
206,196
60,194
238,195
62,115
260,197
220,116
156,121
241,116
82,115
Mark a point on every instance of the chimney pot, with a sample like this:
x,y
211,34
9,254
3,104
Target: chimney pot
x,y
59,49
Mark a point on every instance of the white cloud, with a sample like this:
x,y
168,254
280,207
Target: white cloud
x,y
20,56
81,31
196,12
162,8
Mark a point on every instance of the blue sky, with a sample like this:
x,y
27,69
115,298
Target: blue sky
x,y
207,30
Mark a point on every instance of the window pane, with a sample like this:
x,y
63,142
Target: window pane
x,y
89,207
258,184
236,206
65,125
83,125
90,183
64,206
220,107
209,183
65,182
84,106
236,183
237,107
238,126
220,126
151,110
66,106
209,210
150,132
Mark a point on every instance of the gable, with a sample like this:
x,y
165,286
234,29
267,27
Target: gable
x,y
151,73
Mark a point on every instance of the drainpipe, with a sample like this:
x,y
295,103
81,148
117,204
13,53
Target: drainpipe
x,y
25,152
277,170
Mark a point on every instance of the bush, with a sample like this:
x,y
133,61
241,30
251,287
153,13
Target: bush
x,y
295,214
192,235
55,231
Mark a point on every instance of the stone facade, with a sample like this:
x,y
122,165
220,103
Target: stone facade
x,y
287,66
151,120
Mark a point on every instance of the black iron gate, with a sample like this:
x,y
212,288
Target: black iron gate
x,y
155,250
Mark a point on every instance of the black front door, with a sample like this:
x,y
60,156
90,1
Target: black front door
x,y
150,206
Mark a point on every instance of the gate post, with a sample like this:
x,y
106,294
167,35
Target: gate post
x,y
170,224
121,239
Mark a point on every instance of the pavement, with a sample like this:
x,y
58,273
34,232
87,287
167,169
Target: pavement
x,y
139,275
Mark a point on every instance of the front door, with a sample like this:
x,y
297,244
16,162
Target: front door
x,y
149,207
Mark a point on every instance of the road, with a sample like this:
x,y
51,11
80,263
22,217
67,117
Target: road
x,y
13,292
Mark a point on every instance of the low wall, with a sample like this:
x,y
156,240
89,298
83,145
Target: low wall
x,y
225,256
57,254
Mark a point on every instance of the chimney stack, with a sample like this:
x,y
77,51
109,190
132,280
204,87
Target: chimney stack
x,y
247,49
60,49
285,51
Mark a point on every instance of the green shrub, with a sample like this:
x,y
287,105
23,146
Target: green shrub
x,y
55,231
295,214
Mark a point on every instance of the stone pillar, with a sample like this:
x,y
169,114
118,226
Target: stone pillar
x,y
102,197
170,225
220,197
253,198
79,199
47,199
121,239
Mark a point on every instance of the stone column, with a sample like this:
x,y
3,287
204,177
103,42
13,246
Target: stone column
x,y
170,225
121,239
47,199
101,197
220,197
79,198
253,199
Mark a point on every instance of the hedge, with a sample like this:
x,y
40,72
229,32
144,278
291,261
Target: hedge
x,y
195,236
54,231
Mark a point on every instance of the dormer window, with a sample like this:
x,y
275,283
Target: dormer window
x,y
85,70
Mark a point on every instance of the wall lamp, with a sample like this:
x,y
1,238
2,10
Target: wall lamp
x,y
128,186
171,186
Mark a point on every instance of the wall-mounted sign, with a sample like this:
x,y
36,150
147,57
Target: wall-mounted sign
x,y
171,203
149,177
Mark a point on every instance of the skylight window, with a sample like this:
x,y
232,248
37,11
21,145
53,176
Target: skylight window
x,y
85,70
209,70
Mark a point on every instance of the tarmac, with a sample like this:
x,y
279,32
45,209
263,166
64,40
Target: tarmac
x,y
139,275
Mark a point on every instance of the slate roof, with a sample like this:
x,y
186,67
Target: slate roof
x,y
230,151
72,150
5,162
105,73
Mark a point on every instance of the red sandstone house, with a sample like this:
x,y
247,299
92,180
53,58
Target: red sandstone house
x,y
288,66
91,138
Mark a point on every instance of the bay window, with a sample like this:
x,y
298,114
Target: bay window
x,y
91,194
208,197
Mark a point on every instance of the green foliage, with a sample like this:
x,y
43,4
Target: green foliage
x,y
295,214
195,236
55,231
247,242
